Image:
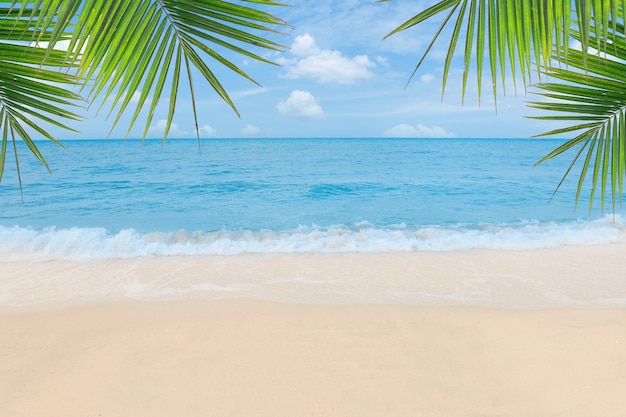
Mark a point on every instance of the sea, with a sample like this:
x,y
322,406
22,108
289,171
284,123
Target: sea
x,y
107,199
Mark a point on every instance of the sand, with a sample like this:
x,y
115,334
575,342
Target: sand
x,y
121,357
569,276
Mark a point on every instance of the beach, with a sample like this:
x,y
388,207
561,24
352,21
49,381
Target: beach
x,y
471,333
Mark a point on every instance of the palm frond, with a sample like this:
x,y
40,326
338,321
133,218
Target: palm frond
x,y
526,37
112,50
518,36
592,91
32,90
143,46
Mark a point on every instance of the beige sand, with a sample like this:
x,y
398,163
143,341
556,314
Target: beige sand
x,y
255,358
562,353
578,276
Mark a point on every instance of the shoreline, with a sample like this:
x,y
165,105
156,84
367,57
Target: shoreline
x,y
567,276
250,357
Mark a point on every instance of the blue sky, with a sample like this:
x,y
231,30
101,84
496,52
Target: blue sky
x,y
340,79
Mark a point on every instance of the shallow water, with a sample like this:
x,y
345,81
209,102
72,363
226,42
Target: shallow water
x,y
112,198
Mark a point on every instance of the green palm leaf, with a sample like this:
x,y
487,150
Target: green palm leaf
x,y
522,37
514,33
592,91
137,46
113,50
32,91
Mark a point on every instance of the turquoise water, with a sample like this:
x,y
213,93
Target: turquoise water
x,y
113,198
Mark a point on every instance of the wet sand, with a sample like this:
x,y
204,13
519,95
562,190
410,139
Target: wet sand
x,y
569,276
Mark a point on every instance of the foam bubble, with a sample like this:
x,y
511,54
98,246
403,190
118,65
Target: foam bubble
x,y
25,244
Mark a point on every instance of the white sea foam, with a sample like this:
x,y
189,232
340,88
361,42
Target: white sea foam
x,y
83,244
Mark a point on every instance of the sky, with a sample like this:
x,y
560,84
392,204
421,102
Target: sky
x,y
339,78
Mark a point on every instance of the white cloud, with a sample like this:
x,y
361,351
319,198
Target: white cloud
x,y
135,98
207,131
419,131
250,130
175,131
362,24
382,61
427,78
300,104
326,66
247,93
59,46
577,45
304,46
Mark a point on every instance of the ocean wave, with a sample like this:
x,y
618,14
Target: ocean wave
x,y
84,244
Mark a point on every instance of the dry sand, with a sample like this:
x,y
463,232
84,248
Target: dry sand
x,y
249,357
255,358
